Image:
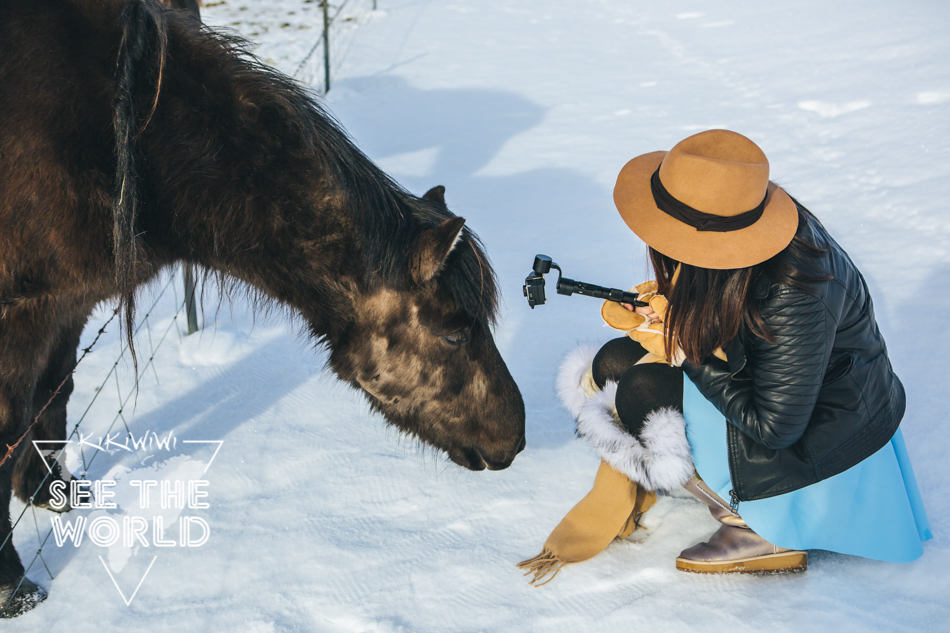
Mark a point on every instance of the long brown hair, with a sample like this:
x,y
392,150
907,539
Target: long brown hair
x,y
708,307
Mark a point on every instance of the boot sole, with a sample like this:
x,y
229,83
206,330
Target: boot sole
x,y
767,564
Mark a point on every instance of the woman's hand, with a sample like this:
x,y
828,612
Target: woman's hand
x,y
646,311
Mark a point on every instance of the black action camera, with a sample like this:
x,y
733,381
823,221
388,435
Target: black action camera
x,y
534,286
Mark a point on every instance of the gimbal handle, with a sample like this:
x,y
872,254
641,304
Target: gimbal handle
x,y
568,287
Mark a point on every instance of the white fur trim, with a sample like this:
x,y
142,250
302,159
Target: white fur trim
x,y
664,436
569,387
662,459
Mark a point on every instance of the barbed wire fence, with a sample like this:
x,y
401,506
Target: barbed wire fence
x,y
340,22
150,333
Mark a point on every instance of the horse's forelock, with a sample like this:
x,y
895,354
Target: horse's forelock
x,y
470,280
467,277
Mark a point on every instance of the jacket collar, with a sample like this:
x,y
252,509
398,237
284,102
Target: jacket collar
x,y
762,286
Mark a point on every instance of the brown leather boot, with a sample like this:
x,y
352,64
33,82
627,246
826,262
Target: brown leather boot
x,y
734,547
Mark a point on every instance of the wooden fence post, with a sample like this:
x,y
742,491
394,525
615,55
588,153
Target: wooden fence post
x,y
326,46
191,309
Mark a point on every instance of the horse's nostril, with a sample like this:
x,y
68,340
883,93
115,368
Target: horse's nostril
x,y
475,458
496,464
468,457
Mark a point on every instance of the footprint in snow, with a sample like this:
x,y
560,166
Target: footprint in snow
x,y
830,110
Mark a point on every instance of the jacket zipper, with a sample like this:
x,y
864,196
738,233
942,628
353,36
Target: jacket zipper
x,y
730,436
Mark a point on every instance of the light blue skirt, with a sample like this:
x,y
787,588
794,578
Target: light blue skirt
x,y
872,509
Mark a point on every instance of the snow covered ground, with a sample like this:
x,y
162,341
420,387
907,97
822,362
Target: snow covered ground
x,y
324,519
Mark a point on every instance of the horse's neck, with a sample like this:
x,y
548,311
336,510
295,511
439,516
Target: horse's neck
x,y
287,230
260,185
302,253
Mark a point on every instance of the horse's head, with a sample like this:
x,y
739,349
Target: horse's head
x,y
423,351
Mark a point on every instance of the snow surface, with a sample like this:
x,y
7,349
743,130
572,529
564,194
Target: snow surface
x,y
324,519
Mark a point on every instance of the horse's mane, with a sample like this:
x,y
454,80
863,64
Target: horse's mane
x,y
388,219
391,217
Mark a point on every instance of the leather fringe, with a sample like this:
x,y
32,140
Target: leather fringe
x,y
543,565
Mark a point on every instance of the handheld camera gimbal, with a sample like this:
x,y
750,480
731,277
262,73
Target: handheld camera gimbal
x,y
534,286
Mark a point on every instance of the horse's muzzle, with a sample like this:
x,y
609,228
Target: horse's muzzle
x,y
475,458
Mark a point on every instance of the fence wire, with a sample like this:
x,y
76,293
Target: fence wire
x,y
341,22
148,335
321,62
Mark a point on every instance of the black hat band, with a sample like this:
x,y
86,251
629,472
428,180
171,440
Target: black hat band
x,y
697,219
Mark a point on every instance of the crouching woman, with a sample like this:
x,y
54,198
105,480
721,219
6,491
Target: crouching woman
x,y
790,404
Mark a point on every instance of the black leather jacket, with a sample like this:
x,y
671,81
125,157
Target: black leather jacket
x,y
817,401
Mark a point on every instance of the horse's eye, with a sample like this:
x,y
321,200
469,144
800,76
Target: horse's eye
x,y
456,338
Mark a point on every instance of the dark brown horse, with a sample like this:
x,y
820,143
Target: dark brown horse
x,y
189,5
132,138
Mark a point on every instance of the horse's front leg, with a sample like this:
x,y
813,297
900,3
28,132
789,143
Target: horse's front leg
x,y
28,333
31,474
14,411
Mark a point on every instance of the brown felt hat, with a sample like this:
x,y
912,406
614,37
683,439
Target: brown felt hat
x,y
708,202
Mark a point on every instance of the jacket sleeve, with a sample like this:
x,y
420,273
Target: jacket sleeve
x,y
772,399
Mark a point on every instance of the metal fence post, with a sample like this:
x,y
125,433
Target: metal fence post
x,y
326,46
190,308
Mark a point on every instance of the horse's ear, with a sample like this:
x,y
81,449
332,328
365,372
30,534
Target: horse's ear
x,y
436,194
433,247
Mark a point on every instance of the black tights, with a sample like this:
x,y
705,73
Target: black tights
x,y
641,389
